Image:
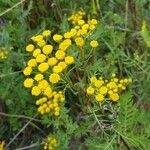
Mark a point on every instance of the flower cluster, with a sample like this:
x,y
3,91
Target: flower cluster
x,y
107,90
81,28
2,145
50,143
3,54
44,69
145,33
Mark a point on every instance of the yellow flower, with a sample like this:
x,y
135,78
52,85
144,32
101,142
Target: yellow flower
x,y
92,27
43,67
54,78
85,26
41,43
36,91
67,35
48,92
43,84
99,97
93,79
90,90
47,49
57,69
40,58
57,37
52,61
81,22
65,44
36,52
27,71
103,90
29,48
38,77
69,60
60,54
93,21
32,63
2,145
94,44
46,33
62,64
114,96
73,32
37,38
79,41
98,83
28,82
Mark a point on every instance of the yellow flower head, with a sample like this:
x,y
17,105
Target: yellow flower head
x,y
46,33
52,61
54,78
36,52
29,48
99,97
57,37
114,97
90,90
47,49
69,60
38,77
103,90
60,54
32,63
36,91
27,71
57,69
43,67
28,83
79,41
94,44
40,58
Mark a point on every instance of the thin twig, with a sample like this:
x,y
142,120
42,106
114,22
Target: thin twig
x,y
19,116
19,132
30,146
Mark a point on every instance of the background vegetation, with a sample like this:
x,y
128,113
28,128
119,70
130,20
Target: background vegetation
x,y
123,50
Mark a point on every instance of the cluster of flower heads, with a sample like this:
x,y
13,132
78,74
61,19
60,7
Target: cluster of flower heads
x,y
49,59
3,54
81,28
145,33
44,69
107,90
50,144
2,145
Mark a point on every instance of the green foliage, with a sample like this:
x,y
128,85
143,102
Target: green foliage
x,y
83,123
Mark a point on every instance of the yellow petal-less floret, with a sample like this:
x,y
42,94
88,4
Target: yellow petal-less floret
x,y
36,91
94,43
60,55
62,64
43,67
79,41
46,33
90,90
114,97
36,52
38,77
40,58
29,48
28,83
103,90
32,63
57,37
43,84
27,71
69,60
52,61
57,69
99,97
47,49
54,78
